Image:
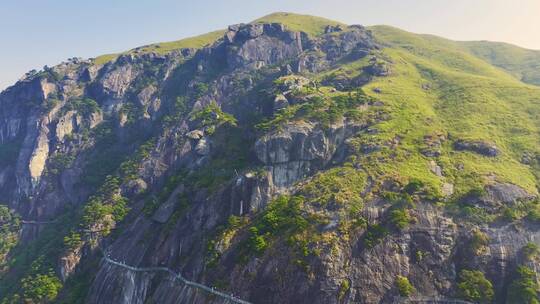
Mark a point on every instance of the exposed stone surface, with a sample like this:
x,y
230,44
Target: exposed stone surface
x,y
195,134
203,147
300,149
479,147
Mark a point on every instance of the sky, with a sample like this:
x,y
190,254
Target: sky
x,y
34,33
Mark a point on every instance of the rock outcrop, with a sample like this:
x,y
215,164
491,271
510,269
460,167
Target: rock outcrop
x,y
480,147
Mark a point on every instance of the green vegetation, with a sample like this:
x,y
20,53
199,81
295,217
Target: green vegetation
x,y
105,208
129,169
72,241
465,97
167,47
83,106
473,286
344,288
42,288
479,242
308,24
522,63
301,23
30,270
49,74
59,162
178,111
211,117
131,112
374,235
531,251
283,217
524,288
342,185
232,158
400,218
9,233
404,287
322,109
223,238
105,158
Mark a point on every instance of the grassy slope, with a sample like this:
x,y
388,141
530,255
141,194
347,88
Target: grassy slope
x,y
302,23
468,98
166,47
522,63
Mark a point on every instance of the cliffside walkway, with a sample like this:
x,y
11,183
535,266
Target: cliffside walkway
x,y
179,277
30,222
428,300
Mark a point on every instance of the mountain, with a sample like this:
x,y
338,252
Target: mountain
x,y
293,159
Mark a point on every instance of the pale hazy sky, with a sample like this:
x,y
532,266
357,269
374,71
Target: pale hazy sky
x,y
34,33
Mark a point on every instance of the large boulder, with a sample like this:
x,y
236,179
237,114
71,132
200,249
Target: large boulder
x,y
480,147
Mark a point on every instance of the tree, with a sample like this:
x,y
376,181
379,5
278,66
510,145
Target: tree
x,y
524,289
475,287
41,288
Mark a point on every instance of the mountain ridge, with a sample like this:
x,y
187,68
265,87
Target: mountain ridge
x,y
339,164
316,25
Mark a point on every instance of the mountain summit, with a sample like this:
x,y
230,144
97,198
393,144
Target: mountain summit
x,y
293,159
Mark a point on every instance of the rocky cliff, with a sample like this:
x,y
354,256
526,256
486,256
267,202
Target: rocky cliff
x,y
273,165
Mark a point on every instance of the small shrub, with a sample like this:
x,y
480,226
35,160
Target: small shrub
x,y
534,215
374,235
344,288
473,286
524,288
400,218
9,231
510,214
59,162
413,186
199,89
72,241
530,251
257,243
105,206
476,215
85,106
404,287
478,242
282,217
213,116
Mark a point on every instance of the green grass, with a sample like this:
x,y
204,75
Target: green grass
x,y
196,42
192,42
103,59
301,23
468,98
522,63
